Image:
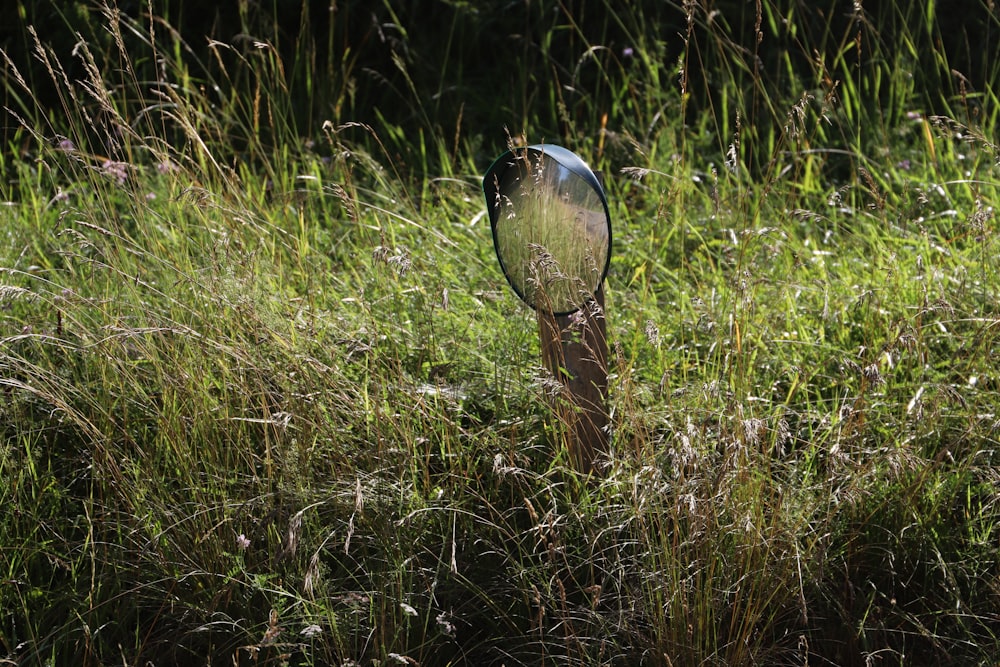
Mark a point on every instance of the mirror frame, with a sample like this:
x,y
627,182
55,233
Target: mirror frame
x,y
568,160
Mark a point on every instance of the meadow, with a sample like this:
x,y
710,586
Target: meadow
x,y
267,399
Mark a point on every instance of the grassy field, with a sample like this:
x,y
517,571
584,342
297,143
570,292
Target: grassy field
x,y
266,398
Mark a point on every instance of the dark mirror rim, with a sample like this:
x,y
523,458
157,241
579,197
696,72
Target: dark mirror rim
x,y
569,160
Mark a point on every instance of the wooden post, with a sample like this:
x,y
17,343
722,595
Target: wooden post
x,y
575,350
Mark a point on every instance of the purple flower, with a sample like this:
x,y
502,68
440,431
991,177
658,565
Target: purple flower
x,y
628,52
116,170
242,542
67,146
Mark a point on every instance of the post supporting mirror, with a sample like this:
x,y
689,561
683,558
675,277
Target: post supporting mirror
x,y
552,234
575,350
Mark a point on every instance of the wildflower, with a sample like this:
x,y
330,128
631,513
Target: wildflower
x,y
67,146
446,626
242,542
311,630
628,52
116,170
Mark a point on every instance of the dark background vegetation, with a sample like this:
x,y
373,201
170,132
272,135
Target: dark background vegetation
x,y
549,68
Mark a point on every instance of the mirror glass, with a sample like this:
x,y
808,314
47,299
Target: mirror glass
x,y
551,227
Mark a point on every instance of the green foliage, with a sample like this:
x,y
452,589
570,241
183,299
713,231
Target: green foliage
x,y
265,398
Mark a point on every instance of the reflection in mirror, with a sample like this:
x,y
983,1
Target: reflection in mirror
x,y
551,231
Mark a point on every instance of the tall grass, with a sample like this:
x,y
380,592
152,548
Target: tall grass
x,y
266,400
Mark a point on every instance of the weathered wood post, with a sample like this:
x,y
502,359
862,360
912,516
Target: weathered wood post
x,y
552,235
575,350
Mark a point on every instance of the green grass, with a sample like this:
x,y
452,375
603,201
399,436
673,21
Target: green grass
x,y
265,397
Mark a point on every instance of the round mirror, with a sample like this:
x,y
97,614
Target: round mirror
x,y
551,226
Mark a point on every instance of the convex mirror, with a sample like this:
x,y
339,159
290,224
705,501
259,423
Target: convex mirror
x,y
551,226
